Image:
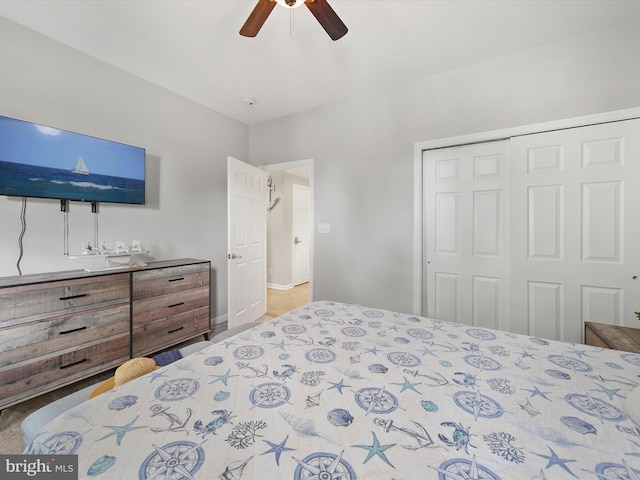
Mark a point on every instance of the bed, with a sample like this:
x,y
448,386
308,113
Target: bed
x,y
335,391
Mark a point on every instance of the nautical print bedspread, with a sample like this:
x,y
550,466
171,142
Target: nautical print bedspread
x,y
333,391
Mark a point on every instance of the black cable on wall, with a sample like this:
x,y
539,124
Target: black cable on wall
x,y
23,221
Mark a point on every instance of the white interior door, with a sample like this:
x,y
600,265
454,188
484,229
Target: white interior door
x,y
466,201
247,233
575,229
300,230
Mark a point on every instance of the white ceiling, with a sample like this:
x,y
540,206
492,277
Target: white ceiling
x,y
192,47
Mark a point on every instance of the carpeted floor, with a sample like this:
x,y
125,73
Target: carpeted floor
x,y
278,303
11,417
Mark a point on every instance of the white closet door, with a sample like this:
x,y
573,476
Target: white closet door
x,y
466,234
575,229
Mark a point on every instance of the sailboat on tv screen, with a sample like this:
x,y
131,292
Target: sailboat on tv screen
x,y
81,168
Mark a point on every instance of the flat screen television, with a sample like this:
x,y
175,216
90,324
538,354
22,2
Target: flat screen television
x,y
45,162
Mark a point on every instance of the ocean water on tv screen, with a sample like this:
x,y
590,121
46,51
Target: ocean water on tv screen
x,y
46,182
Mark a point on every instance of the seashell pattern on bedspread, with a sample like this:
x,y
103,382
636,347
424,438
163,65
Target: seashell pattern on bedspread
x,y
336,391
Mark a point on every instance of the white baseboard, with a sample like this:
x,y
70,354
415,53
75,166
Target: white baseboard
x,y
276,286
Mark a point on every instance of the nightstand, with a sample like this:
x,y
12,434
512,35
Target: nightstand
x,y
612,336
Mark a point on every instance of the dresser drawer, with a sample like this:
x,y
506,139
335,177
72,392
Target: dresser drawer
x,y
32,339
161,281
42,300
158,335
48,372
169,305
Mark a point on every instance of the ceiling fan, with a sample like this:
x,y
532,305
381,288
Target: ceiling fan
x,y
319,8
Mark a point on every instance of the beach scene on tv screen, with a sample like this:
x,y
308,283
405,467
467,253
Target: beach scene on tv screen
x,y
40,161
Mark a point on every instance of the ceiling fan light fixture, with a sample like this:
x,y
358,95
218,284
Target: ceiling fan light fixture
x,y
290,3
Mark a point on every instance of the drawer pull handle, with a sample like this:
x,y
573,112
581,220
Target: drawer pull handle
x,y
175,330
72,330
80,295
72,364
176,279
176,305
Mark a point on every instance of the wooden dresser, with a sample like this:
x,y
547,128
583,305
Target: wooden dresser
x,y
612,336
58,328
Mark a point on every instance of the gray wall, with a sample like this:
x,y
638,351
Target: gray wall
x,y
186,144
363,150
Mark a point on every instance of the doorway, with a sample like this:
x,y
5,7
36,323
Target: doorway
x,y
289,235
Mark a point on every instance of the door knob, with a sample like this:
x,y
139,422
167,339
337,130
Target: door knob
x,y
233,256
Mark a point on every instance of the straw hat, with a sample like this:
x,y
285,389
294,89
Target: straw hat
x,y
134,368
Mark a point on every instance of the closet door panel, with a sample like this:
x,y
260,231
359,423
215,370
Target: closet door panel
x,y
575,229
466,227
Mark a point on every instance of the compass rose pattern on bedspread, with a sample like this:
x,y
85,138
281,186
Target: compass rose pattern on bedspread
x,y
342,392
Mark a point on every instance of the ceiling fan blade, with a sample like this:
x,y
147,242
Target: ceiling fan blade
x,y
327,18
257,18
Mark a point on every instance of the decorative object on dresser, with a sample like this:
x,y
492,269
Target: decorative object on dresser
x,y
57,328
612,336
